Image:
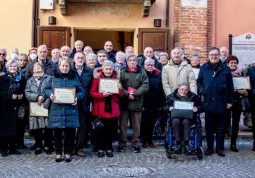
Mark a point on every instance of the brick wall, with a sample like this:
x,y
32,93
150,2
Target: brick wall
x,y
192,29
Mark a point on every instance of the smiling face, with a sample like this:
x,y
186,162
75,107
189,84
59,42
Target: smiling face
x,y
148,52
38,71
149,66
163,60
55,54
65,51
90,62
78,46
232,65
214,56
108,46
13,68
87,50
183,90
107,70
79,59
176,55
64,66
101,57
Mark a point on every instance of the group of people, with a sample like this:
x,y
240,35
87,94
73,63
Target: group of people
x,y
146,83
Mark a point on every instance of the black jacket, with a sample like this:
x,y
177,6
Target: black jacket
x,y
142,58
112,56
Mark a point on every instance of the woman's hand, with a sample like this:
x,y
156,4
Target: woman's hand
x,y
243,92
195,109
119,85
75,102
106,94
171,108
20,96
14,97
40,99
52,97
131,97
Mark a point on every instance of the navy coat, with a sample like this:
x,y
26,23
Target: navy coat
x,y
216,87
251,74
86,81
64,115
141,59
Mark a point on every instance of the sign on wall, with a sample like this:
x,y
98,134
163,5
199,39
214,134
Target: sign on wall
x,y
194,3
243,47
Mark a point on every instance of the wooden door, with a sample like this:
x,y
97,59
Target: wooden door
x,y
152,37
53,37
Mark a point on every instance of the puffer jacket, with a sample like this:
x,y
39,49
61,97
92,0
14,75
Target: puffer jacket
x,y
64,115
173,75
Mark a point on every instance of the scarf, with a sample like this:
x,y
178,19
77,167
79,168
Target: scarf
x,y
132,70
215,66
236,73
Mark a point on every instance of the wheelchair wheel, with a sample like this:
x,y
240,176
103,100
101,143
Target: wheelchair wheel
x,y
200,153
168,154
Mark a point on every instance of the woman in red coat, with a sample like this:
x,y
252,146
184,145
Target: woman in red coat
x,y
106,106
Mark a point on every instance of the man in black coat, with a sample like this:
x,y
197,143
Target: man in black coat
x,y
215,83
3,60
108,47
85,75
49,66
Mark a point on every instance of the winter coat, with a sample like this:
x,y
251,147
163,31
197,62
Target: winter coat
x,y
251,74
137,80
141,58
64,115
86,81
49,68
216,87
99,101
154,98
8,106
112,56
74,52
173,75
32,92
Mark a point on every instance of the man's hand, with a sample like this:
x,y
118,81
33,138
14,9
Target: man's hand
x,y
14,97
171,108
229,106
131,97
195,109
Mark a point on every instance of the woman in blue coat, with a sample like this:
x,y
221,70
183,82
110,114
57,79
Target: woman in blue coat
x,y
63,118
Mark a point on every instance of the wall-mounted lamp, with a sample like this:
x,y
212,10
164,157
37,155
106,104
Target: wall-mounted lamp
x,y
157,22
52,20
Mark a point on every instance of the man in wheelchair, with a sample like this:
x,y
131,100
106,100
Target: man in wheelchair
x,y
183,106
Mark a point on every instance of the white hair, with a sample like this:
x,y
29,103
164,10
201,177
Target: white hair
x,y
65,47
120,54
91,56
108,63
10,62
4,49
42,46
129,47
149,60
163,54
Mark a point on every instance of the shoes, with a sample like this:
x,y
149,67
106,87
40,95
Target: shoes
x,y
178,149
233,148
58,158
38,151
187,149
209,152
48,150
120,149
137,149
100,153
4,154
109,153
152,145
144,145
220,153
68,158
80,153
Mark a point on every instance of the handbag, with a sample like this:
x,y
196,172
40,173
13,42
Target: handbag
x,y
97,123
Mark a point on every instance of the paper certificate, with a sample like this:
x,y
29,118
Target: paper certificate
x,y
64,95
182,105
37,110
109,85
241,83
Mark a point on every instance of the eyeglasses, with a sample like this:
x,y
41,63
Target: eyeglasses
x,y
2,54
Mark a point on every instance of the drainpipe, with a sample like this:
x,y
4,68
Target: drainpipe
x,y
167,26
34,22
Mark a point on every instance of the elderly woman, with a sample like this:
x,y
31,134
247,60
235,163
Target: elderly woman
x,y
152,102
91,60
11,98
163,58
235,110
63,118
182,93
35,93
105,106
120,61
32,54
195,64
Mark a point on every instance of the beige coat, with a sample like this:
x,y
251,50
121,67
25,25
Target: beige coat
x,y
173,75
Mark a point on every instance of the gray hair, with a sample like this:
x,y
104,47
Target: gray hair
x,y
149,60
10,62
195,56
91,56
4,49
132,55
15,50
23,55
120,54
64,59
65,47
79,53
129,47
163,54
108,63
42,46
183,84
102,52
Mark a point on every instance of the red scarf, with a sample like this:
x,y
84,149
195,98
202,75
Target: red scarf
x,y
132,70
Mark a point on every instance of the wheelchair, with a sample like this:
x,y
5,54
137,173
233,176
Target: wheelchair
x,y
196,144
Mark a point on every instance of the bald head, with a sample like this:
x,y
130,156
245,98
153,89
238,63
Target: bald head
x,y
108,46
42,52
176,55
223,53
148,52
78,45
65,51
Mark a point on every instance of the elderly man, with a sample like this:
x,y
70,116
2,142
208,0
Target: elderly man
x,y
156,52
49,66
87,50
101,57
195,64
215,83
129,50
148,54
55,55
22,61
78,47
177,71
65,51
223,54
135,84
85,75
3,53
108,47
14,53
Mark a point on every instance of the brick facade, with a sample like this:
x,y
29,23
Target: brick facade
x,y
192,29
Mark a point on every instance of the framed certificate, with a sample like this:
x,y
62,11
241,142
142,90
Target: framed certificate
x,y
241,83
37,110
64,95
183,105
109,85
